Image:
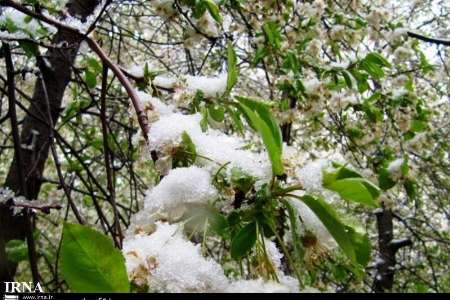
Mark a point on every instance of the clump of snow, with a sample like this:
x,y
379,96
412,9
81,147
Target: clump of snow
x,y
165,82
168,262
166,132
136,71
155,103
210,86
181,186
395,165
223,149
214,147
273,253
311,175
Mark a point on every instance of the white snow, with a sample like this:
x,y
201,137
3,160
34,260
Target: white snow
x,y
179,187
165,82
210,86
214,147
168,262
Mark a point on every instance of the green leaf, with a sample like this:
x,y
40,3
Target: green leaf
x,y
260,54
356,190
244,241
385,180
213,9
199,215
216,112
361,244
377,59
94,65
331,221
297,244
186,154
90,78
418,126
241,181
261,120
374,70
232,67
347,78
350,185
272,32
410,186
30,49
16,250
90,262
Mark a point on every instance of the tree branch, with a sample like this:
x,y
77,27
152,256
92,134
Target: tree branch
x,y
429,39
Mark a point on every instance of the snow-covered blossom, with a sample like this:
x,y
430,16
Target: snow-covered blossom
x,y
155,103
214,147
395,165
167,262
164,8
402,53
165,82
167,131
210,86
137,71
180,187
208,25
311,175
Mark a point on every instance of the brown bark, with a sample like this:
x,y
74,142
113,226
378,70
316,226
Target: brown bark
x,y
388,247
34,137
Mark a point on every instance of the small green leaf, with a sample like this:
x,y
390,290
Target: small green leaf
x,y
241,181
410,186
213,9
90,78
94,65
347,78
30,49
263,122
90,262
418,126
244,241
232,67
216,112
186,154
385,180
377,59
16,250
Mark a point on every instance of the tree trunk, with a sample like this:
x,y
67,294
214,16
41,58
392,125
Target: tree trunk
x,y
388,247
34,137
